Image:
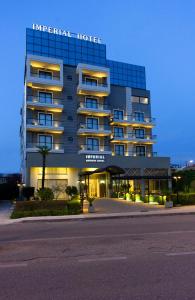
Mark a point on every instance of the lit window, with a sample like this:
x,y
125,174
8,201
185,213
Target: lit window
x,y
144,100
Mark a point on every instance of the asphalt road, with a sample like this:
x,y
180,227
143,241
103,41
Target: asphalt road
x,y
139,258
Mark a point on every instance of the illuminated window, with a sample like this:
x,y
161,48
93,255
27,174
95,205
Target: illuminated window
x,y
144,100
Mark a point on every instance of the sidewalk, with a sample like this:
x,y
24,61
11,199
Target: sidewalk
x,y
5,211
185,210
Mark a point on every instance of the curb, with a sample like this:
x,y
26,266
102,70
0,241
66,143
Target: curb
x,y
97,217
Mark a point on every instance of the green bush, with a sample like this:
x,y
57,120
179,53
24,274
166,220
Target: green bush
x,y
46,208
183,199
28,191
71,191
45,194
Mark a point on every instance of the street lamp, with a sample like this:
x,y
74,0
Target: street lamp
x,y
177,178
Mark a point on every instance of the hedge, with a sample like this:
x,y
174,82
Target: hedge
x,y
46,208
183,199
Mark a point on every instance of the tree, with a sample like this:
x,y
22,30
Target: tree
x,y
44,151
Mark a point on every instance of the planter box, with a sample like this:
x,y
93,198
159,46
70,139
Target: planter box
x,y
168,204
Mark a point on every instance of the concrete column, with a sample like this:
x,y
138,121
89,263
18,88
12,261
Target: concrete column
x,y
169,181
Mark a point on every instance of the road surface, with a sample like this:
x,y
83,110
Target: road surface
x,y
135,258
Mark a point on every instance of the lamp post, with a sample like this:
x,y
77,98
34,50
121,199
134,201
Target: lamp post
x,y
177,178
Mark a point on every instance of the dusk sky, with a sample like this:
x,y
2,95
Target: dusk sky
x,y
159,35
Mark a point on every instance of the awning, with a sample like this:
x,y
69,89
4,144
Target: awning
x,y
113,170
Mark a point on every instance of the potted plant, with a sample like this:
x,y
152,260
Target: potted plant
x,y
168,202
91,208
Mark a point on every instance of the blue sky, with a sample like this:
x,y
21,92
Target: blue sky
x,y
157,34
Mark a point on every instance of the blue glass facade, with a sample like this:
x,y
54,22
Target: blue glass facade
x,y
74,51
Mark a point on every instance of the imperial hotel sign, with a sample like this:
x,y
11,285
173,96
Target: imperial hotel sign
x,y
58,31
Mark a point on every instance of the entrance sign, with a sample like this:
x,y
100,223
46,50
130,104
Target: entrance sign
x,y
58,31
94,158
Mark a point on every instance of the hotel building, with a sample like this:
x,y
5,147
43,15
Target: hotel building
x,y
94,114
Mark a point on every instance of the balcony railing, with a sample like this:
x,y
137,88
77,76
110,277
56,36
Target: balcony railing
x,y
47,123
95,148
98,106
52,147
137,154
52,77
133,136
39,100
133,118
98,84
95,128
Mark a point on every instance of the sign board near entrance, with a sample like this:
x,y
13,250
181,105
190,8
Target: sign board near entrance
x,y
94,158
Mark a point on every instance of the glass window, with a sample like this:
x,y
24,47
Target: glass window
x,y
118,114
118,132
45,140
92,123
139,116
139,133
91,103
45,97
91,81
140,151
45,119
119,150
93,144
135,99
144,100
45,74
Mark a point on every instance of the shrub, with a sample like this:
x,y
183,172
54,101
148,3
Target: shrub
x,y
28,191
45,194
183,199
71,191
46,208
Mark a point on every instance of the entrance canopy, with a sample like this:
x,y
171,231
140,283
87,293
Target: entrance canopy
x,y
113,170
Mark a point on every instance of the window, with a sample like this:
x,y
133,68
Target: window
x,y
118,114
139,133
91,103
135,99
70,118
70,139
45,74
69,97
119,150
139,116
92,123
92,144
142,100
45,97
45,140
140,151
69,77
91,81
45,119
118,132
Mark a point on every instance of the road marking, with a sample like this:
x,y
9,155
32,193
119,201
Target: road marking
x,y
118,235
13,265
102,259
180,253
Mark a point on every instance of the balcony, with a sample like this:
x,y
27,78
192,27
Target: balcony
x,y
86,149
44,72
100,130
133,138
99,109
55,105
93,80
134,121
53,148
138,154
53,126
